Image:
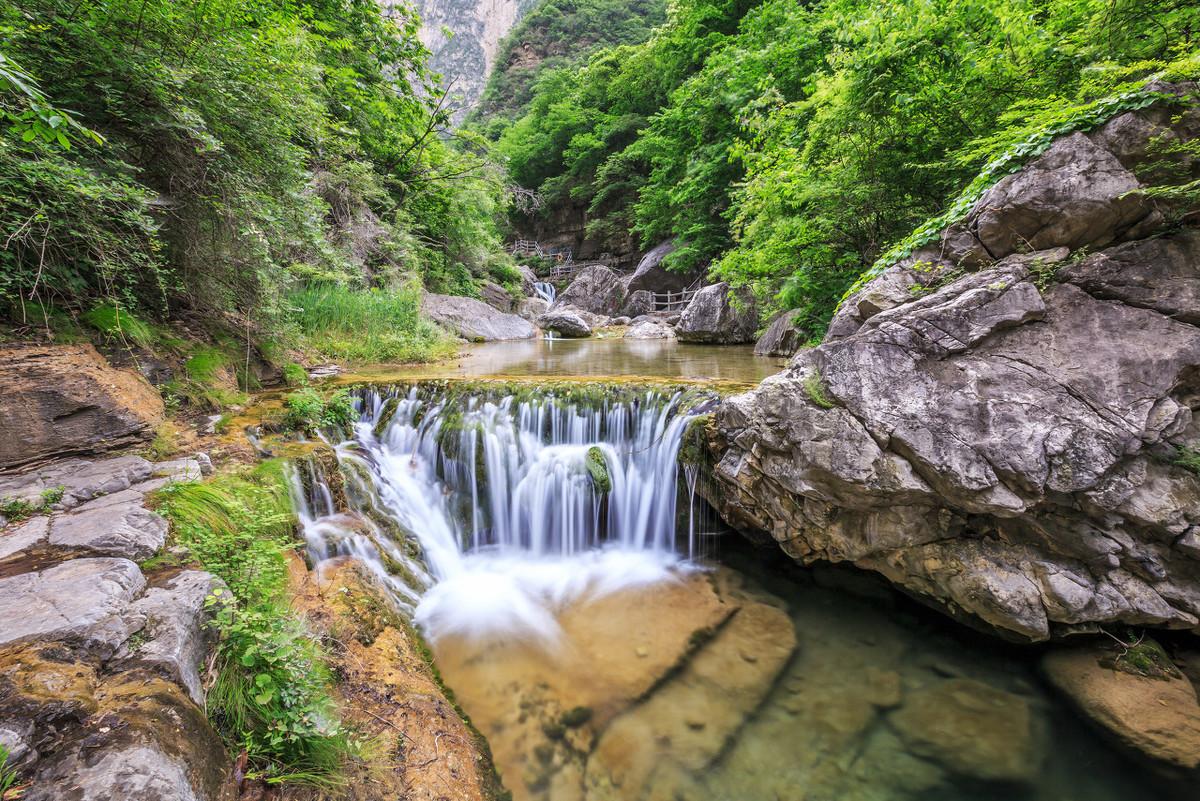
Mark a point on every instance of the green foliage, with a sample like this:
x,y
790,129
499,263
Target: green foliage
x,y
559,34
16,509
271,695
8,775
294,375
814,387
116,323
309,410
1188,458
237,526
787,146
248,149
272,689
366,326
52,495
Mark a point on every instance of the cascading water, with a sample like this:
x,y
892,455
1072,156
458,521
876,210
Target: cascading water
x,y
518,504
545,290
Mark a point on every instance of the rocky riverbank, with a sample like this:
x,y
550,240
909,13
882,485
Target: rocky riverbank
x,y
1003,422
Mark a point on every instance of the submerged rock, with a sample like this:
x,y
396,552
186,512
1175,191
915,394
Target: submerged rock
x,y
1156,715
474,320
1001,436
971,729
65,399
717,316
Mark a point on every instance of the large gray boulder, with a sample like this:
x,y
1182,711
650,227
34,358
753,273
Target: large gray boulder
x,y
718,316
595,289
651,276
781,338
998,431
474,320
566,322
650,329
497,297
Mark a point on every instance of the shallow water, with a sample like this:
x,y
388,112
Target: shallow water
x,y
802,686
596,358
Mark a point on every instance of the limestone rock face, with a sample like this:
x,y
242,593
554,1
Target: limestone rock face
x,y
82,601
566,322
594,289
474,320
781,338
997,431
713,317
1156,716
67,400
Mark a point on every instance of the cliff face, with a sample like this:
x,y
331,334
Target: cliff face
x,y
464,37
1004,421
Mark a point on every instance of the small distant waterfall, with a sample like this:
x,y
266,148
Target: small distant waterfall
x,y
545,290
530,498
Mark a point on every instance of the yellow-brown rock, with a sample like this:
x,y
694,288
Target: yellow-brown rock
x,y
67,400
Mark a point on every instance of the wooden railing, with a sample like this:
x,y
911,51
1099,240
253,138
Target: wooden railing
x,y
526,247
675,301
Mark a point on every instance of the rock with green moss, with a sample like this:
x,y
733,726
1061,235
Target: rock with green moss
x,y
385,415
597,467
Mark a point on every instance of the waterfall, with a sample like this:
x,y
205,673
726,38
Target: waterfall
x,y
517,503
545,290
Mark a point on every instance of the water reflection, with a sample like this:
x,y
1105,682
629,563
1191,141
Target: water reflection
x,y
649,358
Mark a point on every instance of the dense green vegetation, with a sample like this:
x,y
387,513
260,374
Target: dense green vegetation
x,y
201,162
271,693
788,145
558,34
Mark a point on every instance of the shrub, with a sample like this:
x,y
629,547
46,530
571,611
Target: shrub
x,y
308,410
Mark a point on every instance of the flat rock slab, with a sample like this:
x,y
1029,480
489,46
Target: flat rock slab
x,y
83,601
24,536
124,529
80,479
1158,717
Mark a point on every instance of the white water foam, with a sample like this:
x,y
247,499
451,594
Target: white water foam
x,y
509,521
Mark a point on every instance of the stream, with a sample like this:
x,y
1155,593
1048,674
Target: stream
x,y
613,640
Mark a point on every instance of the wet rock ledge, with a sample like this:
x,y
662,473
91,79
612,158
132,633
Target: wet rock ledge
x,y
101,657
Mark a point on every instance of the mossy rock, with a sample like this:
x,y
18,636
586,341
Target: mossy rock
x,y
598,469
385,416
